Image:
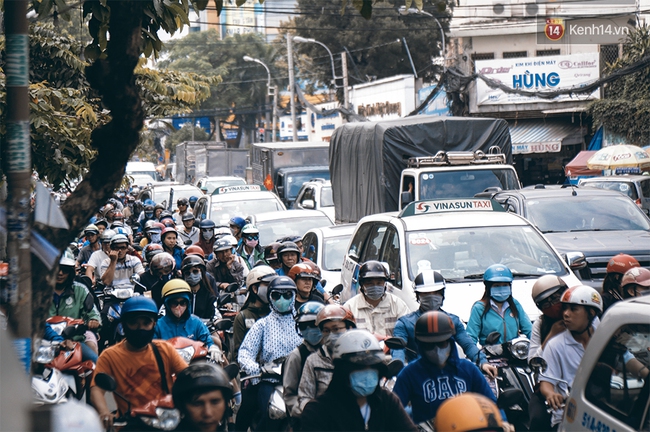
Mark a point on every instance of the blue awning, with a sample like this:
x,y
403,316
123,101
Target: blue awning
x,y
543,136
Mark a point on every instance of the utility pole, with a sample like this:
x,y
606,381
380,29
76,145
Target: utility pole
x,y
292,85
346,92
19,168
275,113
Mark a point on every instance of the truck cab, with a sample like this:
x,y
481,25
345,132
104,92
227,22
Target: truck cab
x,y
455,175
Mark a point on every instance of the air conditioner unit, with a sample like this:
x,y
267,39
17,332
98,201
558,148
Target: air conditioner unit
x,y
525,8
500,9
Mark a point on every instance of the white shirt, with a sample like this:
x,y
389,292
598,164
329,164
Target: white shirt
x,y
380,319
95,261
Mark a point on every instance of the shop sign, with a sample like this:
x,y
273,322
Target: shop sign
x,y
536,148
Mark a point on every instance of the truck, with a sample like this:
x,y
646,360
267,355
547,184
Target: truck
x,y
197,159
283,167
383,166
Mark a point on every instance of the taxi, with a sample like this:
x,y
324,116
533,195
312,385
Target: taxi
x,y
240,200
460,238
610,390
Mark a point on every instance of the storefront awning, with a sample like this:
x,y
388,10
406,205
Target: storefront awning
x,y
543,136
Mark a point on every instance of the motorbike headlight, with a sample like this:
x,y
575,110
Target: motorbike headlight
x,y
277,408
519,349
166,419
45,354
186,353
123,293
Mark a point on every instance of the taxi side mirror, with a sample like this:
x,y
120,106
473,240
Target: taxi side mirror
x,y
405,199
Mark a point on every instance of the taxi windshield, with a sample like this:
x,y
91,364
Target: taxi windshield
x,y
273,230
465,253
221,212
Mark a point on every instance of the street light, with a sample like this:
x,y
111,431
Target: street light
x,y
414,11
271,91
302,39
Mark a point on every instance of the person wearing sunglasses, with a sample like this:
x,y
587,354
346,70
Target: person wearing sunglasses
x,y
271,338
249,247
118,268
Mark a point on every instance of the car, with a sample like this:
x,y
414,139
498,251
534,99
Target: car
x,y
316,194
326,246
460,238
230,201
599,223
141,180
212,183
146,168
637,187
276,225
168,194
605,396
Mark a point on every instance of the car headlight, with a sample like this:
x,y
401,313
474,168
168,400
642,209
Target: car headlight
x,y
166,419
45,354
277,408
519,348
186,353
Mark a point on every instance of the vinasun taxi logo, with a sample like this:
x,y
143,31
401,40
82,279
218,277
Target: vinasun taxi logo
x,y
554,29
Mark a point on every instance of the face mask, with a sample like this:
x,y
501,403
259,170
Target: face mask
x,y
500,293
283,305
251,243
193,279
207,235
312,335
553,312
364,382
374,292
430,303
138,338
261,293
155,238
438,356
148,215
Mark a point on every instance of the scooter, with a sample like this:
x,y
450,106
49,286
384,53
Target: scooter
x,y
190,350
113,299
277,409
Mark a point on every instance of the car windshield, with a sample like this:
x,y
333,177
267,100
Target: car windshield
x,y
221,212
334,249
212,185
623,187
295,181
161,195
586,213
326,199
465,253
458,184
273,230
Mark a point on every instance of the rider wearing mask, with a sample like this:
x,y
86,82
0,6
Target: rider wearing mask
x,y
132,362
306,279
206,237
225,267
332,321
354,400
439,374
189,233
375,309
498,311
91,233
203,296
93,267
270,339
146,215
636,282
429,287
152,231
616,268
236,225
249,247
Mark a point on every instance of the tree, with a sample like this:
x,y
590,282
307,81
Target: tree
x,y
185,133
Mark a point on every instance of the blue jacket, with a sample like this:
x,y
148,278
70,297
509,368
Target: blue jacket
x,y
479,326
426,386
193,328
51,335
177,253
405,330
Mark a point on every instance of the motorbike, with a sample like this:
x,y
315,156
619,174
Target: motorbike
x,y
277,409
112,299
228,307
60,373
190,350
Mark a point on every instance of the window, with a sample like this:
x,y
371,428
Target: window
x,y
608,54
612,386
515,54
390,254
480,56
547,52
356,247
373,245
310,245
645,188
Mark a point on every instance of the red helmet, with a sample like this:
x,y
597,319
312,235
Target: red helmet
x,y
302,270
168,230
195,250
621,263
335,313
637,275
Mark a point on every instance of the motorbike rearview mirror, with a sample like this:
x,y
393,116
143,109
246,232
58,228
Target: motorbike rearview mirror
x,y
337,289
135,278
323,282
232,370
538,363
223,324
76,330
395,343
232,287
511,397
105,382
492,338
393,368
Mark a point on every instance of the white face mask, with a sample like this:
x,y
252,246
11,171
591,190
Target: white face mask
x,y
207,235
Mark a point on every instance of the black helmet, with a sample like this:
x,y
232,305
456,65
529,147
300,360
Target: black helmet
x,y
200,377
434,327
192,261
159,206
187,216
372,269
182,201
281,283
165,214
206,224
221,245
288,247
148,208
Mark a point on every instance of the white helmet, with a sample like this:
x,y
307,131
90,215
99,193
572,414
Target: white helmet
x,y
107,235
231,238
583,295
257,273
429,281
359,347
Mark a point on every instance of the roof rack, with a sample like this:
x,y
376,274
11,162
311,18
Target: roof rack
x,y
478,157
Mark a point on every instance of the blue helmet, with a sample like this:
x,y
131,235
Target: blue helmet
x,y
308,311
206,224
193,199
239,221
140,305
497,273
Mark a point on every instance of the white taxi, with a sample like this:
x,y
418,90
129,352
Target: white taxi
x,y
240,200
460,238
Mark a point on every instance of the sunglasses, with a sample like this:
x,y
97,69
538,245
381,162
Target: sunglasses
x,y
275,295
176,303
119,248
550,301
254,237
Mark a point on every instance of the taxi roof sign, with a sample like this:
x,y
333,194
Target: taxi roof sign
x,y
238,188
451,205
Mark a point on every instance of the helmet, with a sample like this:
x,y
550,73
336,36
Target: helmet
x,y
238,222
434,326
271,251
282,283
107,235
221,231
206,224
187,216
308,311
583,295
182,201
193,199
194,250
221,245
148,208
497,273
117,223
429,281
159,207
230,238
118,215
175,286
288,247
67,259
101,221
162,261
191,261
315,269
149,225
169,222
119,239
165,215
292,238
301,270
335,312
250,229
200,377
107,209
546,286
91,229
257,273
358,347
621,263
139,305
636,275
372,269
168,230
468,412
152,250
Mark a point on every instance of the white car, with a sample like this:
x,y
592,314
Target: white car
x,y
213,183
230,201
326,247
460,238
161,193
274,226
316,194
